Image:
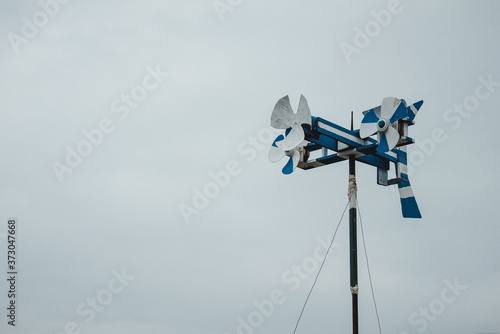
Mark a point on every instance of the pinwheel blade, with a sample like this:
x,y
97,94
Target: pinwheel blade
x,y
292,163
388,107
368,124
400,112
303,113
292,140
275,153
388,140
283,115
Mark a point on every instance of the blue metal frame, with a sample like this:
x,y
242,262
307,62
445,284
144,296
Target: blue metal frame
x,y
325,134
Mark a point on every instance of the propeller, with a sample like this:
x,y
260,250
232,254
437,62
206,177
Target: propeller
x,y
380,120
295,155
283,117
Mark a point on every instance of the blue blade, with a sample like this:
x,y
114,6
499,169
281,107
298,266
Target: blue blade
x,y
292,163
388,140
400,113
384,145
370,117
369,124
288,169
280,137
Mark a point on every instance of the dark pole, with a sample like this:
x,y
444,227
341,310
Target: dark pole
x,y
353,242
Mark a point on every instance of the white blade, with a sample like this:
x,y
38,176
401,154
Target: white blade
x,y
388,139
369,124
376,109
388,107
303,113
293,139
292,163
367,129
400,112
304,143
282,116
275,154
392,137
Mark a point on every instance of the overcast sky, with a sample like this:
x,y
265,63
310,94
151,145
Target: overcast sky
x,y
116,115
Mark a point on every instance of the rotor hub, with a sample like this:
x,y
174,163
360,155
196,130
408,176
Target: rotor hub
x,y
382,124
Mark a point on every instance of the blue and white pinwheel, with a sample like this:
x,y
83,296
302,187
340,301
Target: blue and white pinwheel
x,y
292,143
381,120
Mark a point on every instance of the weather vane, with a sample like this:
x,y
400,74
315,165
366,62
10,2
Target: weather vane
x,y
305,134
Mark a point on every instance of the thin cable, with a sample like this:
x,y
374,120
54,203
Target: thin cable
x,y
368,266
321,267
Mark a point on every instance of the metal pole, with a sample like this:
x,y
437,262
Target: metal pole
x,y
353,242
